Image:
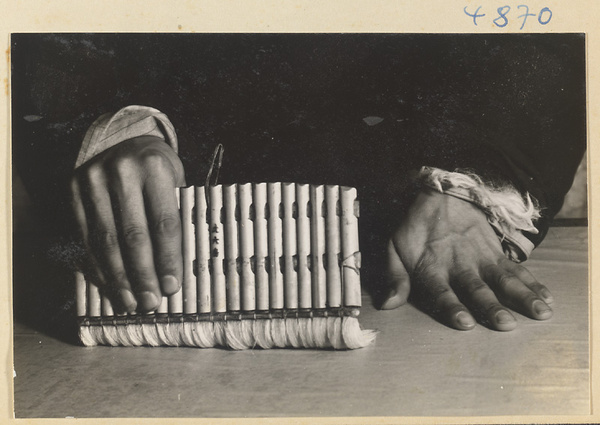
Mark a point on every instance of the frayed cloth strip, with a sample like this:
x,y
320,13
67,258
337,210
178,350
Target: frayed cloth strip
x,y
507,211
338,333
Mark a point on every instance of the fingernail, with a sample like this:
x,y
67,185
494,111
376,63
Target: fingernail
x,y
465,320
392,300
148,300
127,299
540,307
504,317
169,284
547,295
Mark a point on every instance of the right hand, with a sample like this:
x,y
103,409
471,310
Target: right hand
x,y
448,256
128,219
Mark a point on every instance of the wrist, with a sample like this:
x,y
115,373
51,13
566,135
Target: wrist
x,y
507,211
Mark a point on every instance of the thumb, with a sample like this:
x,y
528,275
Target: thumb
x,y
397,278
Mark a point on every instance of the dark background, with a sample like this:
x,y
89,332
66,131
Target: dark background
x,y
292,107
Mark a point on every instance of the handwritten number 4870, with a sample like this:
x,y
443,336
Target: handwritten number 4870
x,y
501,20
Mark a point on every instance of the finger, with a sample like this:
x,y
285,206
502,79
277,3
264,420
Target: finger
x,y
103,239
399,281
483,302
78,210
135,241
528,279
437,293
165,229
89,265
515,294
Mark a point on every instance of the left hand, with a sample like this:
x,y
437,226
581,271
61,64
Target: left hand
x,y
126,210
448,255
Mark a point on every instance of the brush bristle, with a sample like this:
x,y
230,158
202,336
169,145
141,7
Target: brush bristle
x,y
319,332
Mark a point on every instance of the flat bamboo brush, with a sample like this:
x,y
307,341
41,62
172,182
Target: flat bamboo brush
x,y
265,265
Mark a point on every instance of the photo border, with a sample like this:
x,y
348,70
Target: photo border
x,y
381,16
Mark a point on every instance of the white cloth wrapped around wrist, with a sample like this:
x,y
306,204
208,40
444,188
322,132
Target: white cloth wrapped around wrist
x,y
129,122
507,211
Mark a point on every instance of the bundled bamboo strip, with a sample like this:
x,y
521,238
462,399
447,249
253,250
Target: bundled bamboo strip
x,y
265,265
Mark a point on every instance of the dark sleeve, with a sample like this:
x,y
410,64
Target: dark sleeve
x,y
521,117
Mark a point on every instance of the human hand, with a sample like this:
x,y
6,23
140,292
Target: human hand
x,y
126,210
448,255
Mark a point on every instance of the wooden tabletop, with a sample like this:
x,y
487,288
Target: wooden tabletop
x,y
416,366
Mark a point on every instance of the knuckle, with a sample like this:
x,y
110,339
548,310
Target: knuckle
x,y
537,287
93,174
477,287
167,226
488,270
440,293
135,236
464,275
470,282
122,165
155,160
104,240
505,281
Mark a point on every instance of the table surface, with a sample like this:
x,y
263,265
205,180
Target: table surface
x,y
416,366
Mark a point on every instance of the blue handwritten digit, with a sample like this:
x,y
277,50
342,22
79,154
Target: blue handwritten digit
x,y
547,10
475,15
525,15
502,11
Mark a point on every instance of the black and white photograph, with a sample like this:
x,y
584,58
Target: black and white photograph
x,y
266,225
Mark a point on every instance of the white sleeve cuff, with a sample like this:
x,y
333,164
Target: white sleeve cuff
x,y
127,123
507,211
